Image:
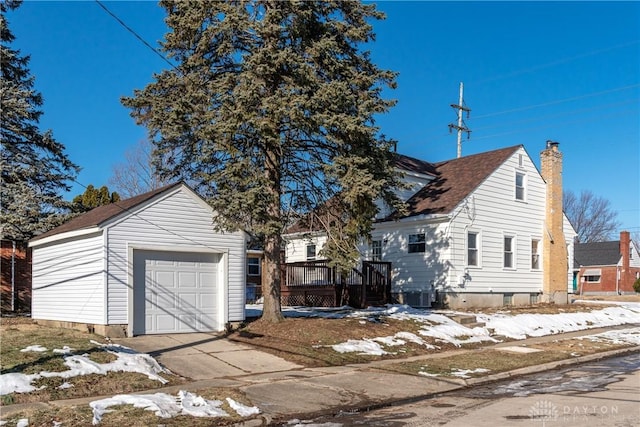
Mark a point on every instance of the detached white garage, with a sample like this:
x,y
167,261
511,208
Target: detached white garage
x,y
152,264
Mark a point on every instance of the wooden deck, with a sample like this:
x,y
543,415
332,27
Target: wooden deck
x,y
315,283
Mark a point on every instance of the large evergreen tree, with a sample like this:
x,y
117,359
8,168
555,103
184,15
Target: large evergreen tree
x,y
35,168
269,112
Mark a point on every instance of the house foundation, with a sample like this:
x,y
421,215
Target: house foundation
x,y
114,331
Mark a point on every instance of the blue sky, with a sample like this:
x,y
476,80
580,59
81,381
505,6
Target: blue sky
x,y
533,71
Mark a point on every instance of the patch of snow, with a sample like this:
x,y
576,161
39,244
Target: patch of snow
x,y
23,422
464,373
619,336
34,348
17,383
518,349
362,347
427,374
64,350
128,360
242,410
162,404
3,422
64,385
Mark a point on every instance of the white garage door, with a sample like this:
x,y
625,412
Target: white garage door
x,y
175,292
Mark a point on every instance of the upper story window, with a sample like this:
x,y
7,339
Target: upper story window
x,y
417,243
253,266
311,252
520,186
508,251
520,160
376,250
535,254
473,248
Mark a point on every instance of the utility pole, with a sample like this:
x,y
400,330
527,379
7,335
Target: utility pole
x,y
461,126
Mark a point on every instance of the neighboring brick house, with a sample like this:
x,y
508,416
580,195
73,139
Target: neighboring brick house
x,y
607,267
15,269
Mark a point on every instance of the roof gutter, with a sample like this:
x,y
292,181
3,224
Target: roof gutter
x,y
68,235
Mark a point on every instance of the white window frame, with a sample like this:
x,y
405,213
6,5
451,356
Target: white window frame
x,y
315,253
522,188
421,241
478,264
376,250
537,253
251,264
511,251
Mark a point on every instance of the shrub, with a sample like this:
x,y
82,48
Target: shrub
x,y
636,285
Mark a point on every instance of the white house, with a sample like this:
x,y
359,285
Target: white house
x,y
151,264
481,230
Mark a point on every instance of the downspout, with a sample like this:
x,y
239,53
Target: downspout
x,y
13,276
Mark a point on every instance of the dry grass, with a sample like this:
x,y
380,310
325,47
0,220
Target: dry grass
x,y
542,308
501,361
127,415
308,341
19,333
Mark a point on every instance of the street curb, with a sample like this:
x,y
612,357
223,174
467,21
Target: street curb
x,y
550,366
462,384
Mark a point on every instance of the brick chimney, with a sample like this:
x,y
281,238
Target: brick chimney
x,y
554,249
626,278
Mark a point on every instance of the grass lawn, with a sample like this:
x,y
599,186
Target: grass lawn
x,y
306,341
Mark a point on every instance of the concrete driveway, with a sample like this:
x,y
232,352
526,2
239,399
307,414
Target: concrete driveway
x,y
201,356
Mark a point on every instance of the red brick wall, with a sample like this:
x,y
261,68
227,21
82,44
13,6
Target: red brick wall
x,y
608,280
22,277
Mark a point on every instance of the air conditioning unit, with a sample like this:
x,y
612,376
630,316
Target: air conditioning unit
x,y
417,298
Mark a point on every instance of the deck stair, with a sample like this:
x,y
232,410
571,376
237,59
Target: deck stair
x,y
466,320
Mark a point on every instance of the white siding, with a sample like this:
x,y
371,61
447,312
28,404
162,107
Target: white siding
x,y
413,271
296,248
635,257
68,280
493,211
181,222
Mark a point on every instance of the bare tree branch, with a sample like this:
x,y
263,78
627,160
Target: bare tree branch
x,y
591,215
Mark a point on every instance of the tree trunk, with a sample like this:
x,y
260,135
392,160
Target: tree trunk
x,y
271,309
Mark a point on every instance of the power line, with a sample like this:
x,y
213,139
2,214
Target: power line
x,y
556,62
132,31
559,101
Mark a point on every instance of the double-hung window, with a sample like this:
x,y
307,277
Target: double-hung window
x,y
508,251
473,249
520,186
376,250
417,243
535,254
253,266
311,252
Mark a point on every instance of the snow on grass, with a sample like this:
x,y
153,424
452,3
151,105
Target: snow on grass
x,y
167,406
620,336
128,360
435,324
242,410
34,348
464,373
521,326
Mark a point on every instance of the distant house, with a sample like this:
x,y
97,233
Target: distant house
x,y
15,276
607,267
481,230
151,264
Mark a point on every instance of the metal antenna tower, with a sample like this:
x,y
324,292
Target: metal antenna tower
x,y
461,126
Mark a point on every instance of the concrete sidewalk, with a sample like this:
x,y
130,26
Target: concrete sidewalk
x,y
285,391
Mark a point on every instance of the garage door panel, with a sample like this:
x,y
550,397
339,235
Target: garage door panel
x,y
187,279
180,291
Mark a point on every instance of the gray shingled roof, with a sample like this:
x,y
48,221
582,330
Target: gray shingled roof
x,y
596,253
99,215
